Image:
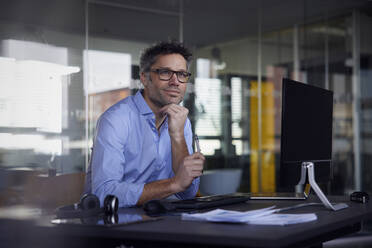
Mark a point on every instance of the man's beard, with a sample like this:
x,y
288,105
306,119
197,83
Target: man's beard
x,y
160,100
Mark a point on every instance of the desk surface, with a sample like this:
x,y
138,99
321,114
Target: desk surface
x,y
172,231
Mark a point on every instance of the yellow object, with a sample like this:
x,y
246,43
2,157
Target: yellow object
x,y
267,137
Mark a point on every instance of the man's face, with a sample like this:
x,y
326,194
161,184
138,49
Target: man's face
x,y
162,92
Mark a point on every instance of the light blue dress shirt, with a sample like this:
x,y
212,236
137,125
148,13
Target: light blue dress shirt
x,y
128,152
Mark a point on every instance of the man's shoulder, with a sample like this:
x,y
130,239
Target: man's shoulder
x,y
121,110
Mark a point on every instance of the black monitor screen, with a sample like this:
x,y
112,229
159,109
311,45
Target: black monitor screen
x,y
306,131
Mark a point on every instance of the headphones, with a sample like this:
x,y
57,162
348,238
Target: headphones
x,y
88,206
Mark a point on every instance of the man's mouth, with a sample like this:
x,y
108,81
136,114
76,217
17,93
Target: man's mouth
x,y
172,92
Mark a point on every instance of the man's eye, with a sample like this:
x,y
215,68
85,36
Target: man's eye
x,y
164,72
182,74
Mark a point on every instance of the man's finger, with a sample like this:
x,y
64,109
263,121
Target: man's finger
x,y
197,168
171,111
196,174
174,107
166,107
194,165
200,159
198,155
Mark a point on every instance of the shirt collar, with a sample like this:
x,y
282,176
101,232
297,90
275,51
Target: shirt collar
x,y
141,104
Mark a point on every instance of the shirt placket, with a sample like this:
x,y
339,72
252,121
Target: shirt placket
x,y
156,138
162,134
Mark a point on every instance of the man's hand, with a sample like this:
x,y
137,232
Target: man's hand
x,y
188,170
177,116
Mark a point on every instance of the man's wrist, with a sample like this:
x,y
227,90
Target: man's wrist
x,y
177,137
174,186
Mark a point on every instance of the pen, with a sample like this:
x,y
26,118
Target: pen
x,y
197,143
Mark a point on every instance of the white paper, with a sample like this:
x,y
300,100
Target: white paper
x,y
265,216
283,219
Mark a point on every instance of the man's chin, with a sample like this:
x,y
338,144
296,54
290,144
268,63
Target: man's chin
x,y
178,101
173,100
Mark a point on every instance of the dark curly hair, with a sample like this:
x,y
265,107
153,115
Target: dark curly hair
x,y
148,57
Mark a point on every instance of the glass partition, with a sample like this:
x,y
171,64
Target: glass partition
x,y
116,35
61,70
41,90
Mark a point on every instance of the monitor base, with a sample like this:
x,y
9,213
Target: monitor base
x,y
308,168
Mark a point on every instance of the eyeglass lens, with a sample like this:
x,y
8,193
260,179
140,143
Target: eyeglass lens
x,y
165,74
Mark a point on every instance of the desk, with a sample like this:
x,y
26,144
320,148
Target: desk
x,y
172,232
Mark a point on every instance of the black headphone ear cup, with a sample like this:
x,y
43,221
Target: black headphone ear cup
x,y
110,205
89,206
111,219
89,202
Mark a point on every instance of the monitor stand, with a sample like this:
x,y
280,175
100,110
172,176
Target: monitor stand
x,y
308,168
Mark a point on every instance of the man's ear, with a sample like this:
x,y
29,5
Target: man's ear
x,y
143,79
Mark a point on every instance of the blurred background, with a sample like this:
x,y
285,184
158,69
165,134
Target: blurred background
x,y
63,63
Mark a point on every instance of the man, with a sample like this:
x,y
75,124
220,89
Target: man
x,y
143,146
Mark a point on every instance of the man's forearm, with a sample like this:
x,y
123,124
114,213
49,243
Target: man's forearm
x,y
158,190
187,171
179,151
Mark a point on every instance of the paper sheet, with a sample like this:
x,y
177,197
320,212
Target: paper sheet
x,y
265,216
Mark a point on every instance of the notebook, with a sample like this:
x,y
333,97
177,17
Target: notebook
x,y
209,201
278,196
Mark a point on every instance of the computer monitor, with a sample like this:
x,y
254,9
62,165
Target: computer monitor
x,y
306,131
306,139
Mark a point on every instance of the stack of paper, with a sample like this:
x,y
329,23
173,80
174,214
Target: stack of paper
x,y
265,216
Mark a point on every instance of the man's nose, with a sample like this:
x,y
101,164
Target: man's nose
x,y
174,80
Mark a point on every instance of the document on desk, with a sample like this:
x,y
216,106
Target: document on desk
x,y
265,216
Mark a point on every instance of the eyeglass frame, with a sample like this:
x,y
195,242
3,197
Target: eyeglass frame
x,y
157,71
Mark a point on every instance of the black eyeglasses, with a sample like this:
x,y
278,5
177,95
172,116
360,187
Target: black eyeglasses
x,y
166,74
